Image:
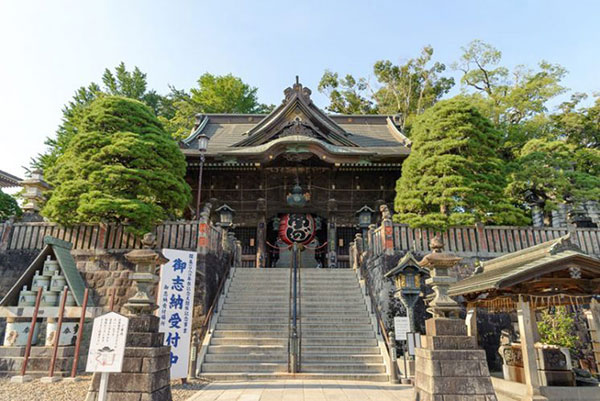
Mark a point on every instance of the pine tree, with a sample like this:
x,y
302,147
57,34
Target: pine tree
x,y
453,175
121,167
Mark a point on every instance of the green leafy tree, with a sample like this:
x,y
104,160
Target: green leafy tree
x,y
405,90
579,125
557,328
214,94
548,173
347,95
130,84
8,207
514,100
453,175
410,88
121,167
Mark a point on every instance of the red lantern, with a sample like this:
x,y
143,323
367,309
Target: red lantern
x,y
298,228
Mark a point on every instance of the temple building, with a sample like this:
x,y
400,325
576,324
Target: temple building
x,y
297,174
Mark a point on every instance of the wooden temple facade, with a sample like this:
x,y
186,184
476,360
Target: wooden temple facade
x,y
300,166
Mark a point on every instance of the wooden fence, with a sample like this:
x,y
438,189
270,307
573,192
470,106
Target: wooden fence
x,y
178,235
485,241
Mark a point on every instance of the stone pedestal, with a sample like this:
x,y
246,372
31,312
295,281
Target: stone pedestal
x,y
145,375
450,366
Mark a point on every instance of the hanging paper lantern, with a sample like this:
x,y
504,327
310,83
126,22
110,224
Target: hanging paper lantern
x,y
298,228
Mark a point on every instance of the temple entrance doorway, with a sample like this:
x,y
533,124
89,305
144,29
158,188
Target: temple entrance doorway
x,y
306,229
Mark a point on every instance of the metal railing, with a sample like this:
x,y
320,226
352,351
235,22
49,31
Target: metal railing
x,y
294,352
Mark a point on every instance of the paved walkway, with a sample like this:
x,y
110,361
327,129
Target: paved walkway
x,y
303,390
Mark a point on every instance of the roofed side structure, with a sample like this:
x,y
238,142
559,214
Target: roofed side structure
x,y
556,268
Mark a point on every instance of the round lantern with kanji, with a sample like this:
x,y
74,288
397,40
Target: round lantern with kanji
x,y
297,228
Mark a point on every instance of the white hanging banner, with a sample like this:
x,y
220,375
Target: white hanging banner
x,y
176,304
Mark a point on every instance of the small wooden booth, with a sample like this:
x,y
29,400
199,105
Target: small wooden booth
x,y
554,273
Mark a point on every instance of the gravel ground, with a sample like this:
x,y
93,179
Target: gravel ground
x,y
64,391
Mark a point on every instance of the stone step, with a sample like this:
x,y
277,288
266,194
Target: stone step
x,y
338,350
248,349
365,333
246,358
319,309
332,301
243,319
249,341
335,326
281,314
256,307
251,333
342,368
323,312
238,377
250,326
245,367
335,320
344,358
327,341
255,297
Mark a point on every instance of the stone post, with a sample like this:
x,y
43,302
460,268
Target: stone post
x,y
537,216
593,318
146,364
529,333
387,230
449,366
471,321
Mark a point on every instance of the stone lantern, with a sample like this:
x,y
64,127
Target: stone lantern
x,y
34,188
407,277
144,277
439,264
226,214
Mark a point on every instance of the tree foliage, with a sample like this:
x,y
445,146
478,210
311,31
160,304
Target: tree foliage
x,y
120,167
214,94
130,84
557,327
347,95
514,100
406,90
8,207
548,172
453,175
580,126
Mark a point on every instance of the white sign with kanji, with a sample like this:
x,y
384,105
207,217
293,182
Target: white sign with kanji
x,y
107,344
176,304
401,327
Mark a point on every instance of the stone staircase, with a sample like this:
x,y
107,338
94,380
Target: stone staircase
x,y
337,332
250,338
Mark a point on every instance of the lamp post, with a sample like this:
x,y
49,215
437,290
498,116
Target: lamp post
x,y
407,277
202,145
365,215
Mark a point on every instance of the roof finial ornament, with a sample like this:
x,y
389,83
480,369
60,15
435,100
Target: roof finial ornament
x,y
297,90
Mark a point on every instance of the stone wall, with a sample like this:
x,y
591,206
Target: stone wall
x,y
105,271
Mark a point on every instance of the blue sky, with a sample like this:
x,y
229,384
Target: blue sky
x,y
50,48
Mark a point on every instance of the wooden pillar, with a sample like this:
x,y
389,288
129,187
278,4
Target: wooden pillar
x,y
529,333
261,234
331,234
471,321
593,318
